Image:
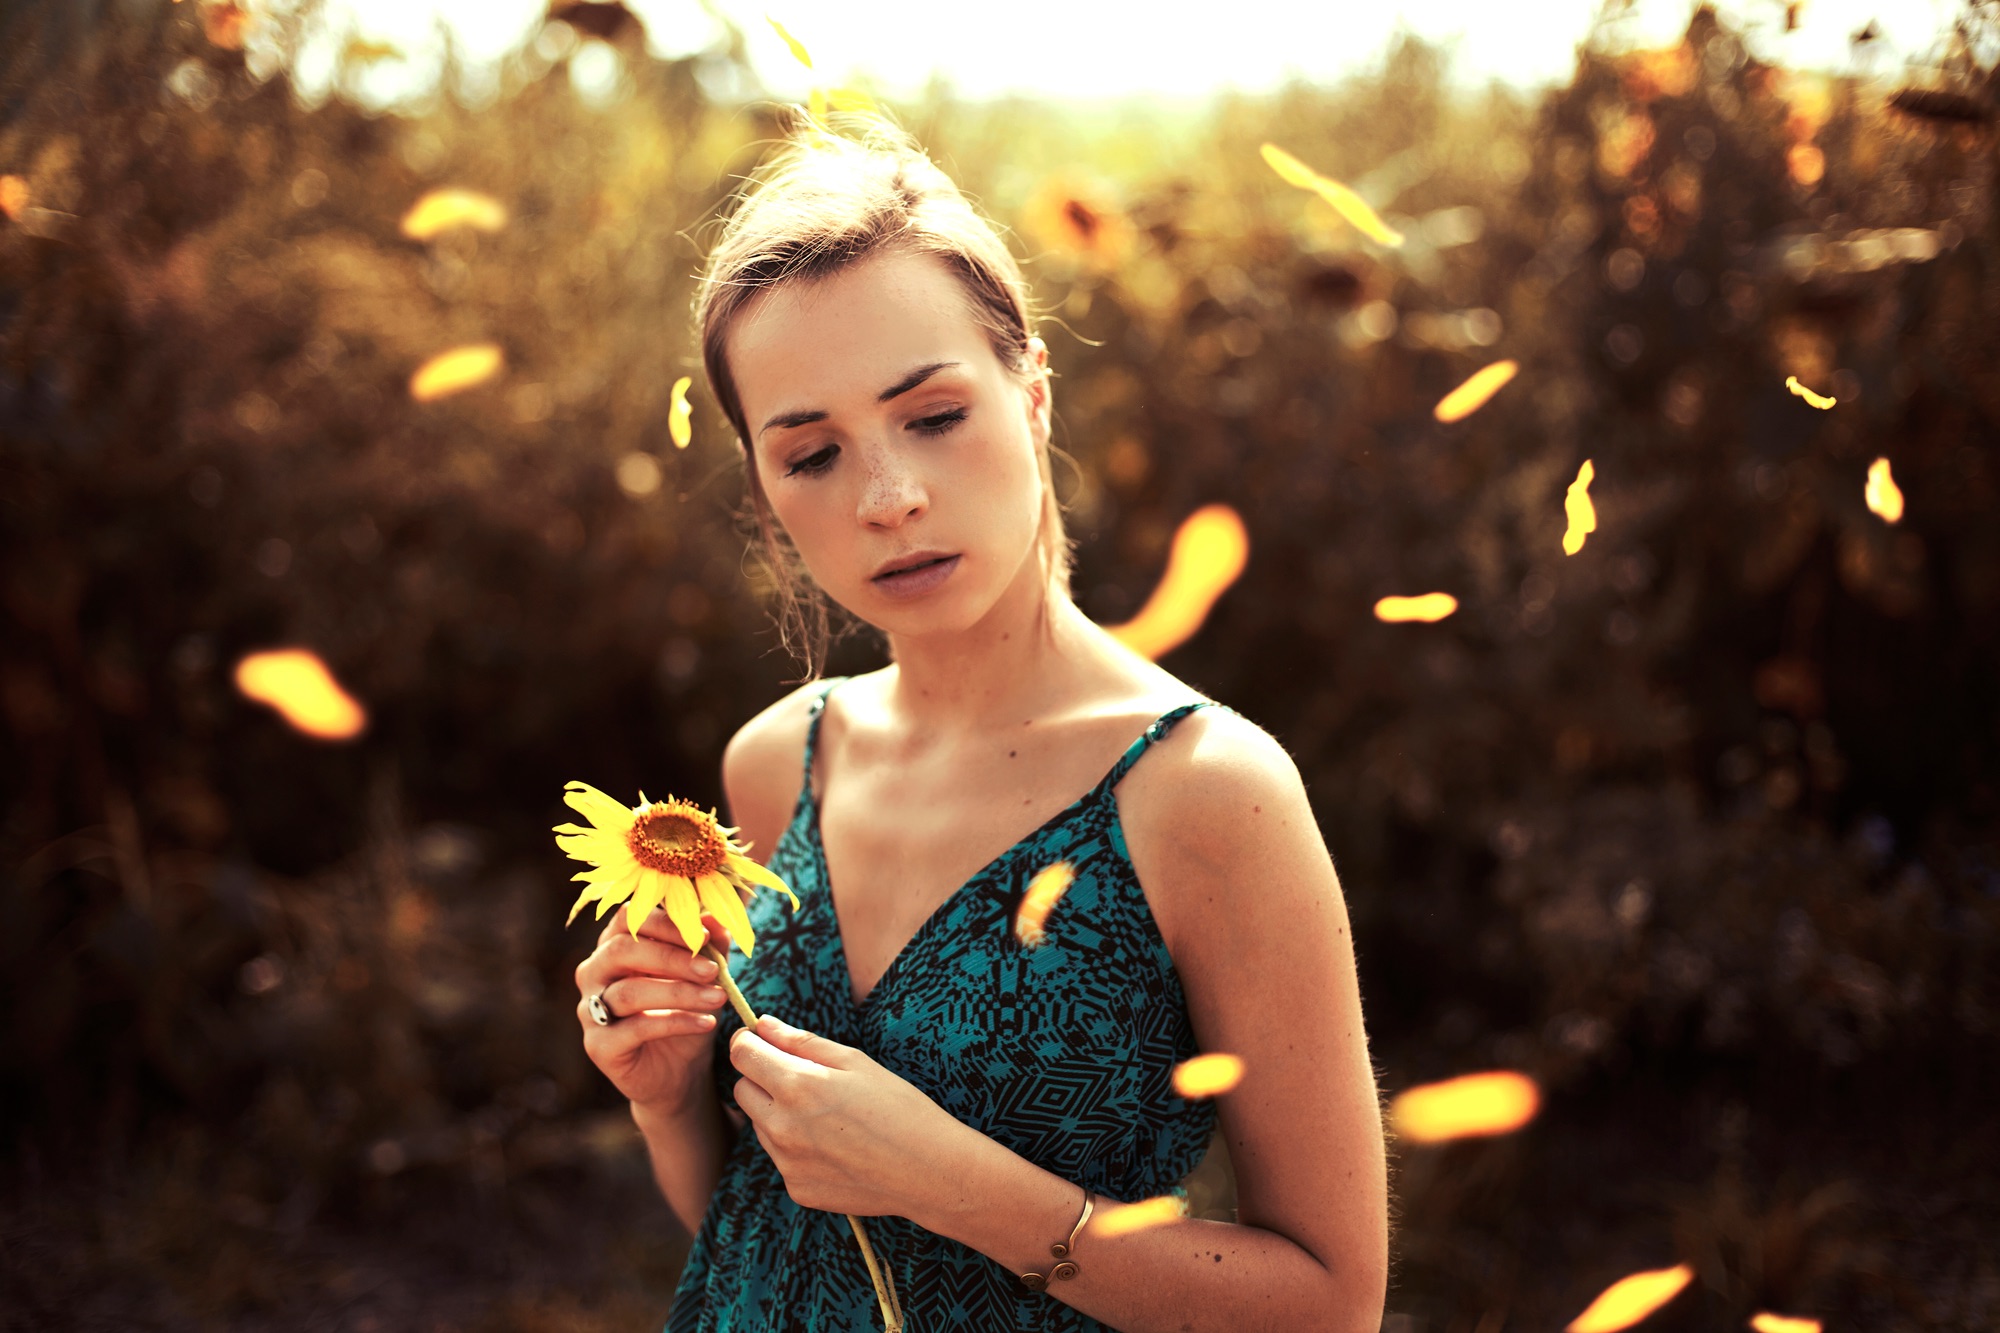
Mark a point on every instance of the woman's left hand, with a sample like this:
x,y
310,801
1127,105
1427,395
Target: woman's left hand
x,y
847,1135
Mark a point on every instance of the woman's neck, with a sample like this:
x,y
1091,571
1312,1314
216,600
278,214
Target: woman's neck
x,y
1023,658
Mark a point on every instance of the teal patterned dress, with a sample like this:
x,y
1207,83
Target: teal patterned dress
x,y
1064,1053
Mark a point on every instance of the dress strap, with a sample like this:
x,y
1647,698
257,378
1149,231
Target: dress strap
x,y
1161,726
814,712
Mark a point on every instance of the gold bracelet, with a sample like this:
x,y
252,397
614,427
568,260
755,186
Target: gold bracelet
x,y
1062,1250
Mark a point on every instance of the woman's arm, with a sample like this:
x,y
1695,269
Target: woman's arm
x,y
688,1144
1226,846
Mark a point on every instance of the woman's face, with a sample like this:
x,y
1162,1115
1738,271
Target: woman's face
x,y
889,438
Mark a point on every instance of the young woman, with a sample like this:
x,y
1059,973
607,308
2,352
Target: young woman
x,y
868,335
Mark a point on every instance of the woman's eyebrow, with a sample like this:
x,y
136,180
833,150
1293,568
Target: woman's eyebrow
x,y
900,387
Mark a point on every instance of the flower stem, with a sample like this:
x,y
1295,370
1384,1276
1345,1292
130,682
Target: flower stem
x,y
878,1273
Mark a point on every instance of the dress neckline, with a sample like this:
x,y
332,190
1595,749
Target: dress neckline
x,y
810,800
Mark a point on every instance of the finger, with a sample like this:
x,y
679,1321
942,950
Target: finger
x,y
752,1099
615,1044
632,995
806,1045
756,1058
626,956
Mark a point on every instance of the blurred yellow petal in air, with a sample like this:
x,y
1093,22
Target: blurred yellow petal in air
x,y
1209,551
1428,607
1581,513
1885,498
296,683
1630,1299
1470,396
1045,890
455,371
791,41
1766,1322
1821,401
13,196
1345,201
1470,1106
1208,1075
441,210
679,414
1126,1218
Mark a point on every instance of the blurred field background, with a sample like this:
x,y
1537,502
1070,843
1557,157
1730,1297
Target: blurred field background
x,y
1699,826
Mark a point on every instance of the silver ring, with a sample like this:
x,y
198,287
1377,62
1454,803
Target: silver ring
x,y
600,1013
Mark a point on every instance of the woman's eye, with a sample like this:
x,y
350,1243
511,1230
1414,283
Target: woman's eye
x,y
938,424
814,463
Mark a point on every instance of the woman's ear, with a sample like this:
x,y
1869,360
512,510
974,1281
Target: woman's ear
x,y
1039,390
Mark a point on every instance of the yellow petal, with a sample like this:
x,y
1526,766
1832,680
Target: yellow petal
x,y
1883,496
442,209
850,99
1345,201
722,899
683,909
1630,1299
1821,401
592,847
598,808
679,413
1123,1219
817,105
1208,1075
1209,551
757,874
454,371
1497,1102
651,888
1428,607
610,887
797,49
1581,512
1470,396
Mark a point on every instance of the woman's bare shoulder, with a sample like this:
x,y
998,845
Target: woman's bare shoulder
x,y
763,766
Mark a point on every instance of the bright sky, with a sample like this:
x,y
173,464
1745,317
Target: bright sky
x,y
1098,48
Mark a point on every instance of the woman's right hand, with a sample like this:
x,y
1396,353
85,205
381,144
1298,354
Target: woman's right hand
x,y
655,1058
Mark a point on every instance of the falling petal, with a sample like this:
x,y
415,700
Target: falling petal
x,y
1885,498
1045,890
1582,514
1472,1105
1767,1322
441,210
679,414
797,49
1427,607
1208,1075
1821,401
1126,1218
1630,1299
1345,201
1470,396
297,683
13,196
1209,551
452,372
850,99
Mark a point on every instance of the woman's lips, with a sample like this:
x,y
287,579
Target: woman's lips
x,y
915,582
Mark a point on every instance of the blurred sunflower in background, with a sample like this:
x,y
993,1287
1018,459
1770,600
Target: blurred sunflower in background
x,y
659,853
1078,219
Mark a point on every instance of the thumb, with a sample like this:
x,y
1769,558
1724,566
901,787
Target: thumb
x,y
807,1045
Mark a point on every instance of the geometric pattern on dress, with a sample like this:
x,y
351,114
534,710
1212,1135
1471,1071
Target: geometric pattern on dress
x,y
1064,1053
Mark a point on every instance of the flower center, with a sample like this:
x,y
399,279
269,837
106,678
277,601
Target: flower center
x,y
677,839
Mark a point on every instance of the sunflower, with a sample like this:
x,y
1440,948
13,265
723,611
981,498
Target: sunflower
x,y
663,852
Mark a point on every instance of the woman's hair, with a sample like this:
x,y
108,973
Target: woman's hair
x,y
824,201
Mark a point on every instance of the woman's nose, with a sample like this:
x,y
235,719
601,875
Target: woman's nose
x,y
892,495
